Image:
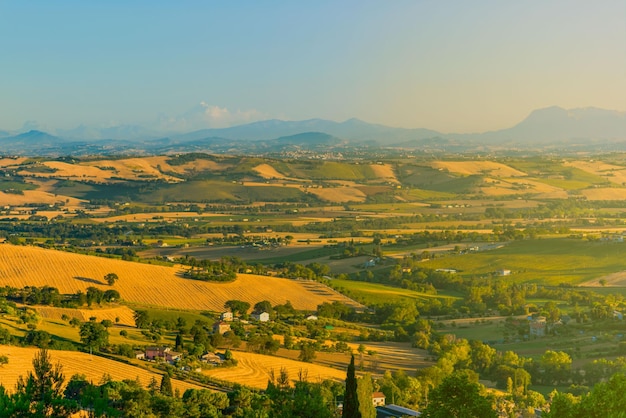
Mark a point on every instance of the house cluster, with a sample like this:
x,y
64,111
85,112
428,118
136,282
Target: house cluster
x,y
222,326
165,354
162,353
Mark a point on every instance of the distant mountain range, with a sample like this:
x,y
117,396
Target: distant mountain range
x,y
580,129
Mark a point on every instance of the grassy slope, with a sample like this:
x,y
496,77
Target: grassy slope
x,y
374,293
546,261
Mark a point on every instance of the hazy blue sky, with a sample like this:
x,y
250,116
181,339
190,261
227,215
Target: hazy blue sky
x,y
454,66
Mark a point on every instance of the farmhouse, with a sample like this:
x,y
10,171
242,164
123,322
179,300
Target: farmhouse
x,y
221,327
211,358
156,352
378,399
538,326
226,316
164,353
503,272
260,316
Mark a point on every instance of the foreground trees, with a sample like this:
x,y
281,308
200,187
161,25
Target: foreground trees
x,y
459,396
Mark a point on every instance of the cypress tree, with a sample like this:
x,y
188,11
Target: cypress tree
x,y
351,399
166,385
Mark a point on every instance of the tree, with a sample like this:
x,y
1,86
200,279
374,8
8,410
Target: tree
x,y
364,389
307,352
351,399
111,295
111,278
41,393
459,396
142,319
94,335
264,306
237,306
166,385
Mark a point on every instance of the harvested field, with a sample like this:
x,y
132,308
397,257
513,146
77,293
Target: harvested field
x,y
604,193
339,194
268,172
500,187
254,370
94,367
614,173
478,167
123,313
147,284
617,279
384,172
38,196
10,162
132,169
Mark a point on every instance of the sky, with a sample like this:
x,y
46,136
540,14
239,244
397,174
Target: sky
x,y
453,66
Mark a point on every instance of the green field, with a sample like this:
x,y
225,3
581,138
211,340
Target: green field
x,y
375,293
545,261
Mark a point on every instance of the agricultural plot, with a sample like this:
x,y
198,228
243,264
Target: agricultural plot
x,y
611,173
478,167
545,261
93,367
375,293
121,315
147,284
254,370
339,194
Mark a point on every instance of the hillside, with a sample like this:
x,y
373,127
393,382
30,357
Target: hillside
x,y
73,362
148,284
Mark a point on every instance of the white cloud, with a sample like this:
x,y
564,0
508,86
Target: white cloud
x,y
205,115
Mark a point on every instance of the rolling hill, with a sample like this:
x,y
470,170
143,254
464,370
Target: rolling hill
x,y
151,285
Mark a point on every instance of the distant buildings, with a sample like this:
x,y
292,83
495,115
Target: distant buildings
x,y
260,316
220,327
164,353
538,326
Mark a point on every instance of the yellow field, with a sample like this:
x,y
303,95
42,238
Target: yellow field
x,y
605,193
10,162
254,370
94,367
268,172
478,167
384,172
147,284
517,186
339,194
37,196
123,313
613,173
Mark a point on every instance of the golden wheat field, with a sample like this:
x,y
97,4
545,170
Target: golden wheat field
x,y
338,194
254,370
148,284
614,173
384,172
604,193
73,362
478,167
268,172
37,196
123,314
516,186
